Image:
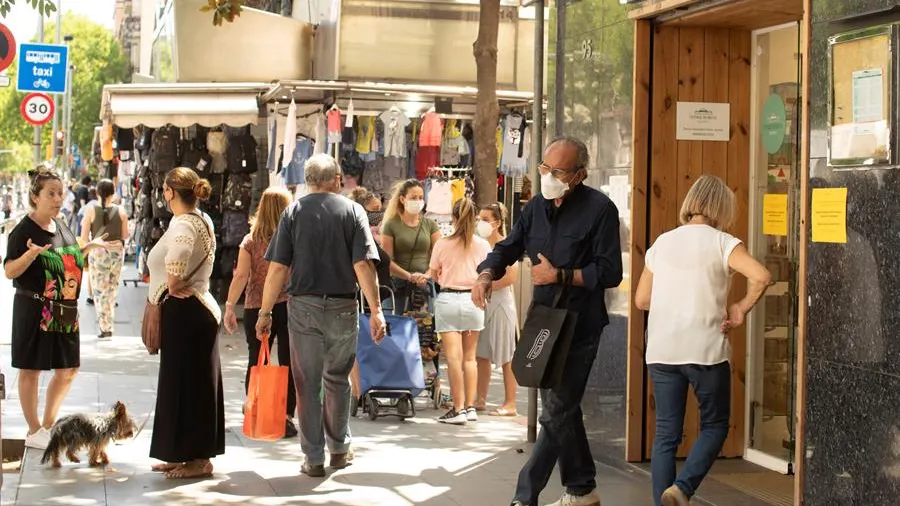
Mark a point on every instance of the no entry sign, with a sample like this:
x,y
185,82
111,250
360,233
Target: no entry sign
x,y
7,47
38,108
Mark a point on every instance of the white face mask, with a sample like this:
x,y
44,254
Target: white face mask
x,y
484,229
415,206
552,188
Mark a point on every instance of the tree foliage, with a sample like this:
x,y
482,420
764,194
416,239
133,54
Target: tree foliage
x,y
98,59
44,7
224,10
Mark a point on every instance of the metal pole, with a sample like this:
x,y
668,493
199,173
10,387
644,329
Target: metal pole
x,y
69,99
37,129
537,151
53,141
559,90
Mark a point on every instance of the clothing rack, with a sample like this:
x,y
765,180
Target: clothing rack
x,y
448,171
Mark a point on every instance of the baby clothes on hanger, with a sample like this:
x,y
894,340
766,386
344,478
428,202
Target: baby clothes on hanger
x,y
364,134
458,189
440,197
395,123
514,159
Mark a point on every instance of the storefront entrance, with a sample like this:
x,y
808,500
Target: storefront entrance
x,y
774,238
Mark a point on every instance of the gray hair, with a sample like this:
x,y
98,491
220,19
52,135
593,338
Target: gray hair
x,y
583,158
321,169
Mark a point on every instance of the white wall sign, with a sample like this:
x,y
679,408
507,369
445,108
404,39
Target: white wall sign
x,y
703,121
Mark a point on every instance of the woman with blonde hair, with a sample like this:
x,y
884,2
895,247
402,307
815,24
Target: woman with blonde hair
x,y
250,277
189,425
454,265
497,341
684,286
408,238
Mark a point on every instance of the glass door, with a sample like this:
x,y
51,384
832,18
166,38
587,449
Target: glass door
x,y
774,240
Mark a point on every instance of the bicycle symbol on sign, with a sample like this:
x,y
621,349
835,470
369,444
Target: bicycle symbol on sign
x,y
42,83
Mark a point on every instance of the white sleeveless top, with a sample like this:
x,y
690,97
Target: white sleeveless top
x,y
178,252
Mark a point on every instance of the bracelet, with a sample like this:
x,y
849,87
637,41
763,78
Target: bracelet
x,y
267,314
229,304
560,276
570,276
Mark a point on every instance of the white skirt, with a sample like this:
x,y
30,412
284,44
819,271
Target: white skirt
x,y
455,312
497,341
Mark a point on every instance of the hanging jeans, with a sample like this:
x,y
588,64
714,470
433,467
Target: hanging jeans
x,y
106,269
712,386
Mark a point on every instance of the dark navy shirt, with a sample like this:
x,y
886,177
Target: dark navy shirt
x,y
321,236
582,233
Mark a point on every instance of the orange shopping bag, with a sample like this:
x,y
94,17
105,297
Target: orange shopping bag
x,y
264,411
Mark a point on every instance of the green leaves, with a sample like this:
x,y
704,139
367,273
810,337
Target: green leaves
x,y
223,10
44,7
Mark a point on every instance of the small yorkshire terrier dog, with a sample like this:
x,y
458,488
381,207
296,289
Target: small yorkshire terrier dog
x,y
73,433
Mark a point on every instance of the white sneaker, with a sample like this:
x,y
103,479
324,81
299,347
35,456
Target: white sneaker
x,y
454,417
567,499
471,414
674,496
39,440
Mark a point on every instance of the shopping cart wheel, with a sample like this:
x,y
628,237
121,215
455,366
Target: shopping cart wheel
x,y
372,408
436,397
405,407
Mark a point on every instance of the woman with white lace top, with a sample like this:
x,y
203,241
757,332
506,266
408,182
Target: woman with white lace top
x,y
189,426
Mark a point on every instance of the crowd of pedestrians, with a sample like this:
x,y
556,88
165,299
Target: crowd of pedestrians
x,y
307,263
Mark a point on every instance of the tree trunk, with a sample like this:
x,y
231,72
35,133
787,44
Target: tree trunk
x,y
487,112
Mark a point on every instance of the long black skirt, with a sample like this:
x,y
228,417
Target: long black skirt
x,y
190,407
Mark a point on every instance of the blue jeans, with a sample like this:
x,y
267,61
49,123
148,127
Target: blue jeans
x,y
712,387
323,334
562,438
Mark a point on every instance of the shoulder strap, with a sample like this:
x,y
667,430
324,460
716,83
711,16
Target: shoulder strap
x,y
206,250
412,253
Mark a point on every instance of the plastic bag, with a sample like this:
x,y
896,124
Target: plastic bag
x,y
264,411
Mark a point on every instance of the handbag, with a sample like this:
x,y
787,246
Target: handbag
x,y
151,325
542,350
266,397
64,314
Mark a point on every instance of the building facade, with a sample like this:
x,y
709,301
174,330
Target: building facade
x,y
792,103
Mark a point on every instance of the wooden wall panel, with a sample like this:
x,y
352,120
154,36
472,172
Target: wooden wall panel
x,y
663,185
640,141
691,75
738,178
698,65
716,89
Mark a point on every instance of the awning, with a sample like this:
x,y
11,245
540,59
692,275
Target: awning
x,y
181,105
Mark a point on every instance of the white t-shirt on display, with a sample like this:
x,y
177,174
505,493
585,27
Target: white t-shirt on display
x,y
689,299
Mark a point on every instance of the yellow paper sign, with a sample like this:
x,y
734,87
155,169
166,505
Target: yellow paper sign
x,y
829,215
775,213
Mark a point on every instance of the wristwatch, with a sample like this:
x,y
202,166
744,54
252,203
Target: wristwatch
x,y
267,314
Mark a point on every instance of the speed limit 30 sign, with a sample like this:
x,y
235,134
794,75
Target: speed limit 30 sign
x,y
38,108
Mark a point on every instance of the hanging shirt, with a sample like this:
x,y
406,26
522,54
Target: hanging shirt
x,y
290,133
294,172
431,130
272,159
364,134
458,189
395,123
514,159
334,126
440,198
321,134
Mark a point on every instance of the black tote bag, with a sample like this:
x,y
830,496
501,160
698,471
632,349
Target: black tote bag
x,y
540,356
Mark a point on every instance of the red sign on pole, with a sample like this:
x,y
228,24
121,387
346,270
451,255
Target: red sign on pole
x,y
38,108
7,47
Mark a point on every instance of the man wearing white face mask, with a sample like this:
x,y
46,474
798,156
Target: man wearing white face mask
x,y
571,234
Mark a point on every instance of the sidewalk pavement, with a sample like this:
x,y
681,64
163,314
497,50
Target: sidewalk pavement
x,y
397,463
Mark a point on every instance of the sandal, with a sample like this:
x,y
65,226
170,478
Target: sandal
x,y
191,471
503,412
165,467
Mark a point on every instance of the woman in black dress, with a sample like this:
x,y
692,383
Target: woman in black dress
x,y
189,428
45,262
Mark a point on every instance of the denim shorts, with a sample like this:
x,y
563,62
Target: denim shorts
x,y
455,312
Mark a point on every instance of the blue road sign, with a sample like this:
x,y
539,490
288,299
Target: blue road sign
x,y
42,68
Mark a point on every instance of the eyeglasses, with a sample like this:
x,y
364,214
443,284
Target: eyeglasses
x,y
557,173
